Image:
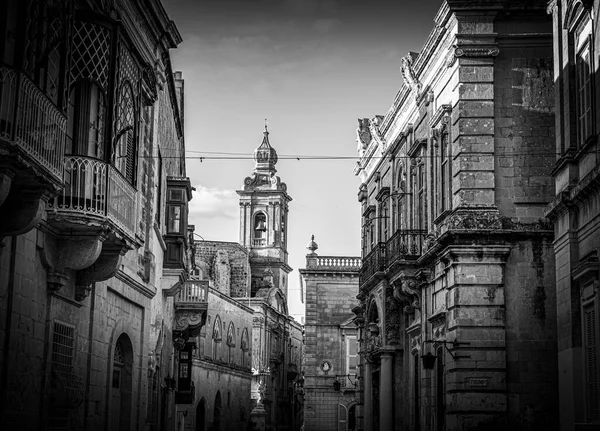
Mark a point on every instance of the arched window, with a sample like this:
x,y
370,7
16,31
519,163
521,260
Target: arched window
x,y
216,339
125,148
245,346
231,344
86,120
260,229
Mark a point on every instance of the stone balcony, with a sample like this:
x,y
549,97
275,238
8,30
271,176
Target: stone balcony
x,y
191,305
32,146
94,219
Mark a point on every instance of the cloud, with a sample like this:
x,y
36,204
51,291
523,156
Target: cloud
x,y
310,6
325,25
213,203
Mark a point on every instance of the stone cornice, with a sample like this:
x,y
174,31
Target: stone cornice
x,y
136,285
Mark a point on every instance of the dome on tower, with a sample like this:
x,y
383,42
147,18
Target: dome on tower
x,y
265,156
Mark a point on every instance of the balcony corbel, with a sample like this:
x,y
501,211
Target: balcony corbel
x,y
68,253
105,267
21,208
406,290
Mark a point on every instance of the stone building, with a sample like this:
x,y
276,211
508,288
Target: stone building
x,y
222,357
276,336
456,284
575,210
331,390
93,215
246,359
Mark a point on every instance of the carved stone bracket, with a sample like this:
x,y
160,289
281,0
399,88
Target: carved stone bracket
x,y
105,267
392,318
56,280
406,290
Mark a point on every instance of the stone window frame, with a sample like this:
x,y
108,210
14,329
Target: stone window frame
x,y
584,65
587,276
216,338
347,355
441,164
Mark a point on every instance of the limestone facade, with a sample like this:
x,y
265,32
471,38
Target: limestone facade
x,y
246,359
575,210
457,306
93,219
331,372
222,358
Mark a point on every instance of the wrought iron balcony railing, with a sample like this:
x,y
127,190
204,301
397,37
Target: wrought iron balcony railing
x,y
374,262
30,121
95,188
405,244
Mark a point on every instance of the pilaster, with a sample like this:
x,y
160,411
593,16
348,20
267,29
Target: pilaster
x,y
476,386
472,131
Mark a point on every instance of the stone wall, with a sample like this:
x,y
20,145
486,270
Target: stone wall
x,y
330,297
237,283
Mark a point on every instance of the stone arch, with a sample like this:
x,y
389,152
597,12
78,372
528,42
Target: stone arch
x,y
122,327
201,415
121,387
217,335
216,425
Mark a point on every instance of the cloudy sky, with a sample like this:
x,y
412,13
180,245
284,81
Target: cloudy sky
x,y
311,67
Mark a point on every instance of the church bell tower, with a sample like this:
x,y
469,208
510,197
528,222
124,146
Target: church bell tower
x,y
264,219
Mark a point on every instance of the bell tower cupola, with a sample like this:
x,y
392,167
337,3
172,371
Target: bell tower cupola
x,y
264,218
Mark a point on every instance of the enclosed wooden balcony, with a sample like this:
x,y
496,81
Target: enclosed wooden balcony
x,y
95,194
191,305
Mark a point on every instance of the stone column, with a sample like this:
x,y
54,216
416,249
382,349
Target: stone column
x,y
386,415
368,388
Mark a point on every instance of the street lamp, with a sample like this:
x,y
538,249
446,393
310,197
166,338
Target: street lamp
x,y
429,359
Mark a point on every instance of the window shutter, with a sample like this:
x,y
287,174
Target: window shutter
x,y
342,420
591,359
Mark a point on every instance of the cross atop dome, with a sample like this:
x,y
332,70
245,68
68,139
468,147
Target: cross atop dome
x,y
265,156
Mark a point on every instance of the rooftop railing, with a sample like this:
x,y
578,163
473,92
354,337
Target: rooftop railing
x,y
29,120
337,263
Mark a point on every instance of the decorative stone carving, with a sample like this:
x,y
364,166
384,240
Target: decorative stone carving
x,y
409,75
474,219
56,280
392,318
471,52
82,291
363,135
406,290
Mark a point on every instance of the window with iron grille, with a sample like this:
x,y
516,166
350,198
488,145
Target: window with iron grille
x,y
63,352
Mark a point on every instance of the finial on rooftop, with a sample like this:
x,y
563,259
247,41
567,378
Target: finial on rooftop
x,y
312,245
266,124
